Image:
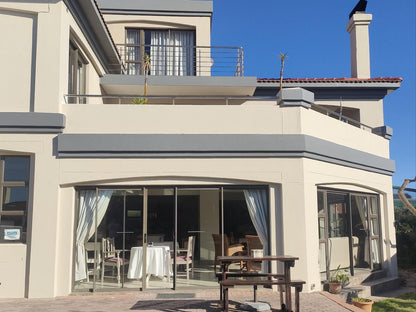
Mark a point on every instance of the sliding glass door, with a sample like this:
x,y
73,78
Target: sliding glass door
x,y
349,234
165,237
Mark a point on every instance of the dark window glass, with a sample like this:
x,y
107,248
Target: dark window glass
x,y
14,198
16,169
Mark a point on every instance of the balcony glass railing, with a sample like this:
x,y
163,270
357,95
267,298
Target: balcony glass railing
x,y
179,60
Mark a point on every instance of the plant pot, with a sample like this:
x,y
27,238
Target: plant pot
x,y
335,287
366,306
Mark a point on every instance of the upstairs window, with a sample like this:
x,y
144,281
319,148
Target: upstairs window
x,y
76,74
172,52
14,192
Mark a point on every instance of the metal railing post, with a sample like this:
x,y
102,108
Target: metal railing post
x,y
242,62
199,61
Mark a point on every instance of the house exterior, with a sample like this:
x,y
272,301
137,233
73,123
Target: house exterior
x,y
87,154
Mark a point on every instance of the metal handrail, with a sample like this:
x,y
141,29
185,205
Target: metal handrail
x,y
183,60
82,98
341,117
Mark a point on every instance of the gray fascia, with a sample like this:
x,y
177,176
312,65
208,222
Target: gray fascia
x,y
218,146
31,122
334,90
179,80
89,19
157,7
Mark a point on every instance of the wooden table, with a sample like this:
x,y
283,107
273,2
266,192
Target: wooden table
x,y
284,280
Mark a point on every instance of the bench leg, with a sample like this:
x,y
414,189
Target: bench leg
x,y
255,293
225,307
281,294
297,306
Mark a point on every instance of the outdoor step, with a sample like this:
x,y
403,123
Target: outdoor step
x,y
382,285
357,290
360,278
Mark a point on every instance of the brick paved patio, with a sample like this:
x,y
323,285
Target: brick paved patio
x,y
168,301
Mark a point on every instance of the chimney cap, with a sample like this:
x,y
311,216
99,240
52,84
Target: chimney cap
x,y
360,7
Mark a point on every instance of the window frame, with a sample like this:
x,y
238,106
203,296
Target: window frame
x,y
17,213
77,74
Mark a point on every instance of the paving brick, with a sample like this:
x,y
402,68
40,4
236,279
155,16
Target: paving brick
x,y
202,301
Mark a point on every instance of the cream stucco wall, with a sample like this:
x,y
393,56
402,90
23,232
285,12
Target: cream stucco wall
x,y
117,25
260,118
36,62
17,62
45,263
293,223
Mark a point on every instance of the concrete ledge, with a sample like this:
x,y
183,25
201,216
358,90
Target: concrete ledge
x,y
295,97
31,122
384,131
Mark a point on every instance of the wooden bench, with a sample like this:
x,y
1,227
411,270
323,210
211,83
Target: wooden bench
x,y
220,277
230,283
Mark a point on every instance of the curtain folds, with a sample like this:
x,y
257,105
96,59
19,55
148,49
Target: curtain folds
x,y
86,224
172,53
259,213
132,52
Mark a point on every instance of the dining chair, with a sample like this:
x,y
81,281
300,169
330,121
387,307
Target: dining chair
x,y
253,243
90,249
229,250
186,256
111,257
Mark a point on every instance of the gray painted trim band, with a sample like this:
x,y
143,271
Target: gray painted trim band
x,y
158,7
31,122
212,145
88,18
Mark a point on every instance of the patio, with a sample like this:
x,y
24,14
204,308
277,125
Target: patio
x,y
169,301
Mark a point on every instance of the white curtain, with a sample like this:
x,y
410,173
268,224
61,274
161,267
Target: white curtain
x,y
86,224
132,51
362,207
259,213
159,53
172,53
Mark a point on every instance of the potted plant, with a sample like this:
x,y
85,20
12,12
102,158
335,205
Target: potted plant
x,y
337,280
363,303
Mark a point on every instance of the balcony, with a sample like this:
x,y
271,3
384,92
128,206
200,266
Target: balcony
x,y
181,60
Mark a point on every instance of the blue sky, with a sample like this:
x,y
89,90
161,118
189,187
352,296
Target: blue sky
x,y
313,34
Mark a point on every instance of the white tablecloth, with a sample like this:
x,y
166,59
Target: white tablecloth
x,y
158,262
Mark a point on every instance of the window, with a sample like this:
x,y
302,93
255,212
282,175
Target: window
x,y
172,52
14,190
76,74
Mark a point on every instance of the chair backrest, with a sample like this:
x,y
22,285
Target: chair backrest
x,y
108,247
191,246
90,247
253,242
218,244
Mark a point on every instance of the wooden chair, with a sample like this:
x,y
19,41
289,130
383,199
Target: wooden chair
x,y
186,256
253,242
111,257
90,249
229,250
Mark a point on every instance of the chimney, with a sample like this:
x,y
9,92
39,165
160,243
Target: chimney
x,y
360,47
